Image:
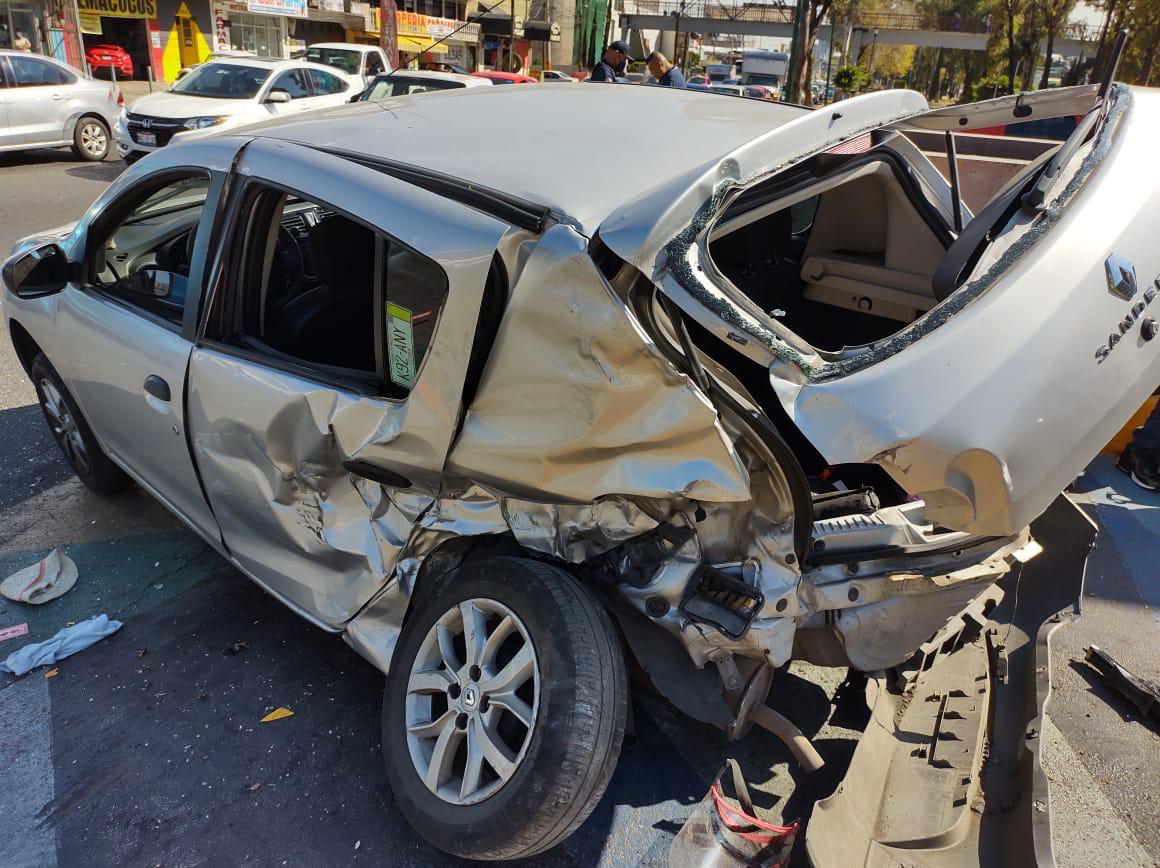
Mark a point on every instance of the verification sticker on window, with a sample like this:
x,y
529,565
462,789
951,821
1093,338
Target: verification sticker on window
x,y
400,345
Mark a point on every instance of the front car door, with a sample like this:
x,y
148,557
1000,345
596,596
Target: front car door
x,y
37,100
326,389
125,329
6,137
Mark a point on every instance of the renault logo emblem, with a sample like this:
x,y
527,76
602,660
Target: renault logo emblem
x,y
1121,276
469,697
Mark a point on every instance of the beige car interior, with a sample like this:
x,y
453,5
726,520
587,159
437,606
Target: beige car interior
x,y
869,250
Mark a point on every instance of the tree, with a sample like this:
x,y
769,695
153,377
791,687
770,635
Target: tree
x,y
1053,14
851,79
805,37
1012,11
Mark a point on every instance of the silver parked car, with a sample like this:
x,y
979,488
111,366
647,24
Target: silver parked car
x,y
47,104
774,395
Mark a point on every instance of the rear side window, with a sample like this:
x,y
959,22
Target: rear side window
x,y
318,289
145,258
325,83
33,72
375,64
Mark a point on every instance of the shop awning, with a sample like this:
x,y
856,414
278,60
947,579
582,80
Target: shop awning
x,y
416,45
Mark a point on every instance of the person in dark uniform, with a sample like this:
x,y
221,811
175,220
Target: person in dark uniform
x,y
1141,458
611,63
664,72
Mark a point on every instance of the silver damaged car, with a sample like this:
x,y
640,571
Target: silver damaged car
x,y
503,421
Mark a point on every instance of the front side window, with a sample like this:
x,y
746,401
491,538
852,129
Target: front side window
x,y
146,257
293,81
375,64
33,72
318,289
223,81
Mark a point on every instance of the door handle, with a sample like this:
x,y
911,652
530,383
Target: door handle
x,y
157,387
375,474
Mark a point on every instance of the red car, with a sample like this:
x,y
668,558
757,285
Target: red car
x,y
505,77
109,57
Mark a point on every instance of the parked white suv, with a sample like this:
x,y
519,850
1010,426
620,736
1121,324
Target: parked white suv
x,y
227,93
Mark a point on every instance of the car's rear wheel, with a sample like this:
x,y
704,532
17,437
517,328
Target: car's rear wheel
x,y
91,139
504,709
72,433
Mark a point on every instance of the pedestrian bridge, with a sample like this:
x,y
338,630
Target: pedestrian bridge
x,y
888,28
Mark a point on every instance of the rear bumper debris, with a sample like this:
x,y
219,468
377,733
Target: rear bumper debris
x,y
948,771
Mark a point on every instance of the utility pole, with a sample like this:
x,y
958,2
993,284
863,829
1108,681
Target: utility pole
x,y
512,44
389,32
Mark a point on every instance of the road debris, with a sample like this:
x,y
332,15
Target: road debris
x,y
47,579
277,714
235,647
52,673
66,642
723,830
253,788
13,632
1142,693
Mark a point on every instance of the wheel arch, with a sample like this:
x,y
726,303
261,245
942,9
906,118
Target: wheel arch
x,y
24,344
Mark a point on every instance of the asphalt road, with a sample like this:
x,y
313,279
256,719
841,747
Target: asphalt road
x,y
147,748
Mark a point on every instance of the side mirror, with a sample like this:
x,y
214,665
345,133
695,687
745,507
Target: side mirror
x,y
39,272
153,282
278,96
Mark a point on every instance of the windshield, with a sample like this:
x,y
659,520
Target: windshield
x,y
340,58
223,81
400,85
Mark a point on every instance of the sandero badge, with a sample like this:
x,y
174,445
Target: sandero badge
x,y
1121,275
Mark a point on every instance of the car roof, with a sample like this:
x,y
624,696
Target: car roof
x,y
593,166
438,75
267,62
507,76
349,46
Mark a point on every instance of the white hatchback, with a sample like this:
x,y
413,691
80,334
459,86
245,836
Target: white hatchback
x,y
224,94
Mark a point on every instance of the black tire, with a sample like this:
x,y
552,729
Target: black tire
x,y
91,139
94,468
574,741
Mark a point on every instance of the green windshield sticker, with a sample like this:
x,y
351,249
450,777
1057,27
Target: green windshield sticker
x,y
400,346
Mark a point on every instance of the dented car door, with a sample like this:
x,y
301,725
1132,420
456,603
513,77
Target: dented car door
x,y
326,390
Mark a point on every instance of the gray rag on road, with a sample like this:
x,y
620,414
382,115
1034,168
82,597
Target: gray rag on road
x,y
65,643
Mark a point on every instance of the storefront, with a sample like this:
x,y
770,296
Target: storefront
x,y
46,27
261,27
427,39
122,38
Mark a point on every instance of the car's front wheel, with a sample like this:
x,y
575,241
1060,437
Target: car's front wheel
x,y
504,709
72,433
91,139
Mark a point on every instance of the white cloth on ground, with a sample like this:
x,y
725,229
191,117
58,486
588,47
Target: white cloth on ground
x,y
66,642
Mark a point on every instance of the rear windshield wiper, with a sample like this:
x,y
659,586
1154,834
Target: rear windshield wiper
x,y
1034,198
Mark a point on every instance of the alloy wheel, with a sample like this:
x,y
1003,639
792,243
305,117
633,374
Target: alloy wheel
x,y
472,698
94,139
64,426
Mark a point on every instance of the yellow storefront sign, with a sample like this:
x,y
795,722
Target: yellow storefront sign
x,y
90,23
119,8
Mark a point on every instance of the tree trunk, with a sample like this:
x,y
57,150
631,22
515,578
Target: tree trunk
x,y
1012,53
1101,51
1051,28
969,74
1149,58
935,75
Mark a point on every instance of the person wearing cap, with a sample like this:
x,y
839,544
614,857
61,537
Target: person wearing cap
x,y
664,72
611,63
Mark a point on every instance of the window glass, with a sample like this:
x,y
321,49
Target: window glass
x,y
801,215
33,72
346,59
312,288
400,85
293,81
223,81
375,64
147,257
325,83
